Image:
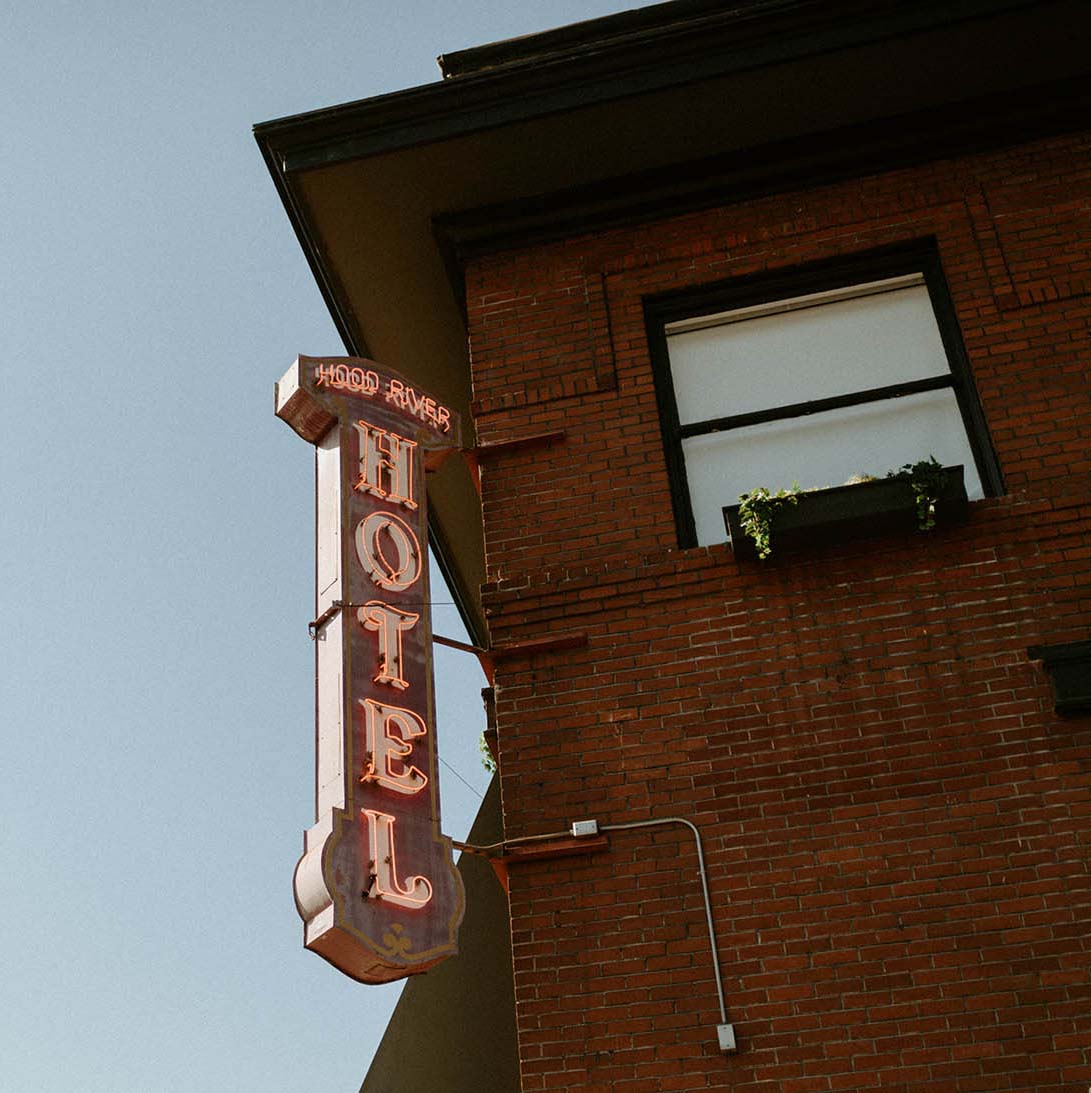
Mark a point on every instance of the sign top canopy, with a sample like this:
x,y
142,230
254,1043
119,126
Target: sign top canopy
x,y
363,381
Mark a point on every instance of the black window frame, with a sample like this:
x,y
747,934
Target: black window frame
x,y
920,257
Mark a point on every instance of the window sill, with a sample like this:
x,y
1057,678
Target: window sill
x,y
843,513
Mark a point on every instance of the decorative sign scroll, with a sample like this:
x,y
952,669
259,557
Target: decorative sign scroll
x,y
376,887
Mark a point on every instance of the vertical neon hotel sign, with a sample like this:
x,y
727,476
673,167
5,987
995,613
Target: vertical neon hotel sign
x,y
376,886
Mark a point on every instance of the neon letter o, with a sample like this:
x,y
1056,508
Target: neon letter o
x,y
396,575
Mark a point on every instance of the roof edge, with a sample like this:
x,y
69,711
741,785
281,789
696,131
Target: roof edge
x,y
626,27
540,79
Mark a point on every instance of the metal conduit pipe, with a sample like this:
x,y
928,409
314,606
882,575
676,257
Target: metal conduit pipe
x,y
725,1032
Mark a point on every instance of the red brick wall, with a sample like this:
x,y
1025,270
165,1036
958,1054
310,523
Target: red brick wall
x,y
897,825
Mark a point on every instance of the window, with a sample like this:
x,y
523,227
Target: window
x,y
814,377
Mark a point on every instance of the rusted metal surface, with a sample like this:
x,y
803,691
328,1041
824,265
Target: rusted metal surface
x,y
376,886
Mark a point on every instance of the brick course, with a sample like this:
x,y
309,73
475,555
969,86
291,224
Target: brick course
x,y
896,823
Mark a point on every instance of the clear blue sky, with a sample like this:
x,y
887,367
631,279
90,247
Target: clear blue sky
x,y
156,540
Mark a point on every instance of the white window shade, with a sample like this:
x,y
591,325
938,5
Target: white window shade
x,y
773,356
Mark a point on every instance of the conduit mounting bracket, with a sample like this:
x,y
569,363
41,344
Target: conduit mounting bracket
x,y
726,1036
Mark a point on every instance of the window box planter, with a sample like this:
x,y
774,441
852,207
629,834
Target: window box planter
x,y
884,506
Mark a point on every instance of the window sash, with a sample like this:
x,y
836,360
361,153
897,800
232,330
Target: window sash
x,y
815,406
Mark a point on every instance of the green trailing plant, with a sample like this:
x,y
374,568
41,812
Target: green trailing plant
x,y
487,761
926,480
756,511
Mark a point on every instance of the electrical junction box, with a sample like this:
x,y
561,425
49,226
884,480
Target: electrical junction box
x,y
580,828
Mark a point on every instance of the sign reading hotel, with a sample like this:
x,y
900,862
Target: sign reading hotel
x,y
376,886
